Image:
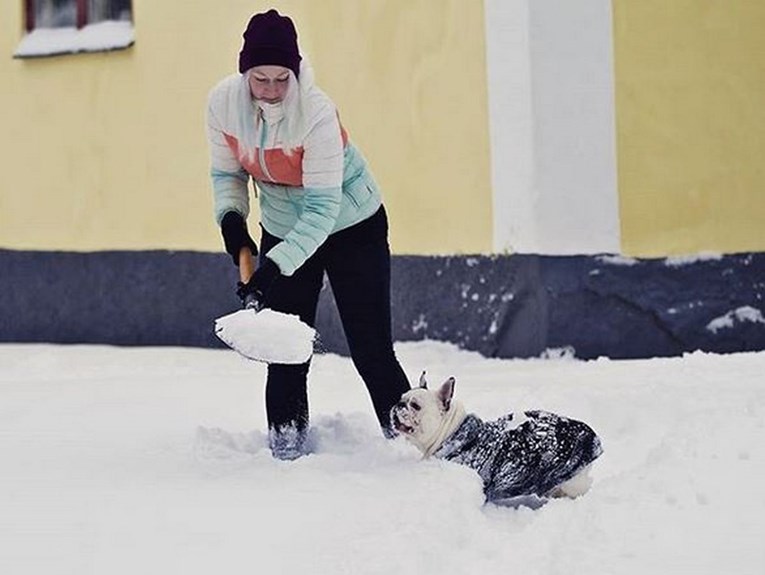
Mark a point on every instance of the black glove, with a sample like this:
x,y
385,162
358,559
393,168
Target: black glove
x,y
235,236
254,293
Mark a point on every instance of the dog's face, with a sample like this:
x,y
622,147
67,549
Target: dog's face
x,y
420,412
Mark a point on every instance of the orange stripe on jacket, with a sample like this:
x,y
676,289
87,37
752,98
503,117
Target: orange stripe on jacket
x,y
284,169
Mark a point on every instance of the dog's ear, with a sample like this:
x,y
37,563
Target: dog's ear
x,y
423,382
446,392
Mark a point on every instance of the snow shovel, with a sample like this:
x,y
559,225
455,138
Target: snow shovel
x,y
266,335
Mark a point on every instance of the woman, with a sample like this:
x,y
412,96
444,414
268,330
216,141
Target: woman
x,y
321,211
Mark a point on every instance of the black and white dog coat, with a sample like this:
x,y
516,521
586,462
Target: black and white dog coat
x,y
522,456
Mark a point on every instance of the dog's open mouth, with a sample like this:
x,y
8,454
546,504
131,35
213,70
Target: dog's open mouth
x,y
402,427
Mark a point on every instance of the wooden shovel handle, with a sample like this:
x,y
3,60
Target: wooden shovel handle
x,y
246,264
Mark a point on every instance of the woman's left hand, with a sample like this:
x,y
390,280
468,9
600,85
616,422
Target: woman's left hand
x,y
254,293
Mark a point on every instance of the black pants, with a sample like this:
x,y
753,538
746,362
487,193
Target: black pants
x,y
357,263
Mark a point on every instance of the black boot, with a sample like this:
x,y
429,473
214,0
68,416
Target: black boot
x,y
288,442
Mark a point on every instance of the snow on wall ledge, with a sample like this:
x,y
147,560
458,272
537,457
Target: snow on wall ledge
x,y
500,306
100,37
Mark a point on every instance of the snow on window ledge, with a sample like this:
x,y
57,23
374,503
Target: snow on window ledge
x,y
101,37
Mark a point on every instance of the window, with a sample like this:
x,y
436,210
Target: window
x,y
69,26
79,13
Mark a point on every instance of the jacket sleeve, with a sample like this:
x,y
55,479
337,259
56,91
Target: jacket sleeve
x,y
323,156
229,178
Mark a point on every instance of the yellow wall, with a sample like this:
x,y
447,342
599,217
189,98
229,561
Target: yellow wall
x,y
690,104
107,151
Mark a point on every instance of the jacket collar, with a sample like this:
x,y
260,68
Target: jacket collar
x,y
463,439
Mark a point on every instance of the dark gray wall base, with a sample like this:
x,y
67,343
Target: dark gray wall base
x,y
500,306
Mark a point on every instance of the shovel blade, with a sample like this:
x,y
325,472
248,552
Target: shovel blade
x,y
268,336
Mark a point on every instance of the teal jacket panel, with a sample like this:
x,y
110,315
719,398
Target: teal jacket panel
x,y
324,211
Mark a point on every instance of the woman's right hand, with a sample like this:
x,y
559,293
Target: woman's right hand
x,y
236,237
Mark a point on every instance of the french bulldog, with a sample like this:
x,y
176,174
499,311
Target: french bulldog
x,y
531,454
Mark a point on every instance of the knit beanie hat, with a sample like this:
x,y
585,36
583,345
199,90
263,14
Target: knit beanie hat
x,y
270,39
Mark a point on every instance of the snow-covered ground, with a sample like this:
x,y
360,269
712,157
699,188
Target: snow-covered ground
x,y
153,460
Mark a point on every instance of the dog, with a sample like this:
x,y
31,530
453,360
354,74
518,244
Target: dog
x,y
535,454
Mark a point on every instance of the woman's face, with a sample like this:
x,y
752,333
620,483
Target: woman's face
x,y
269,83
